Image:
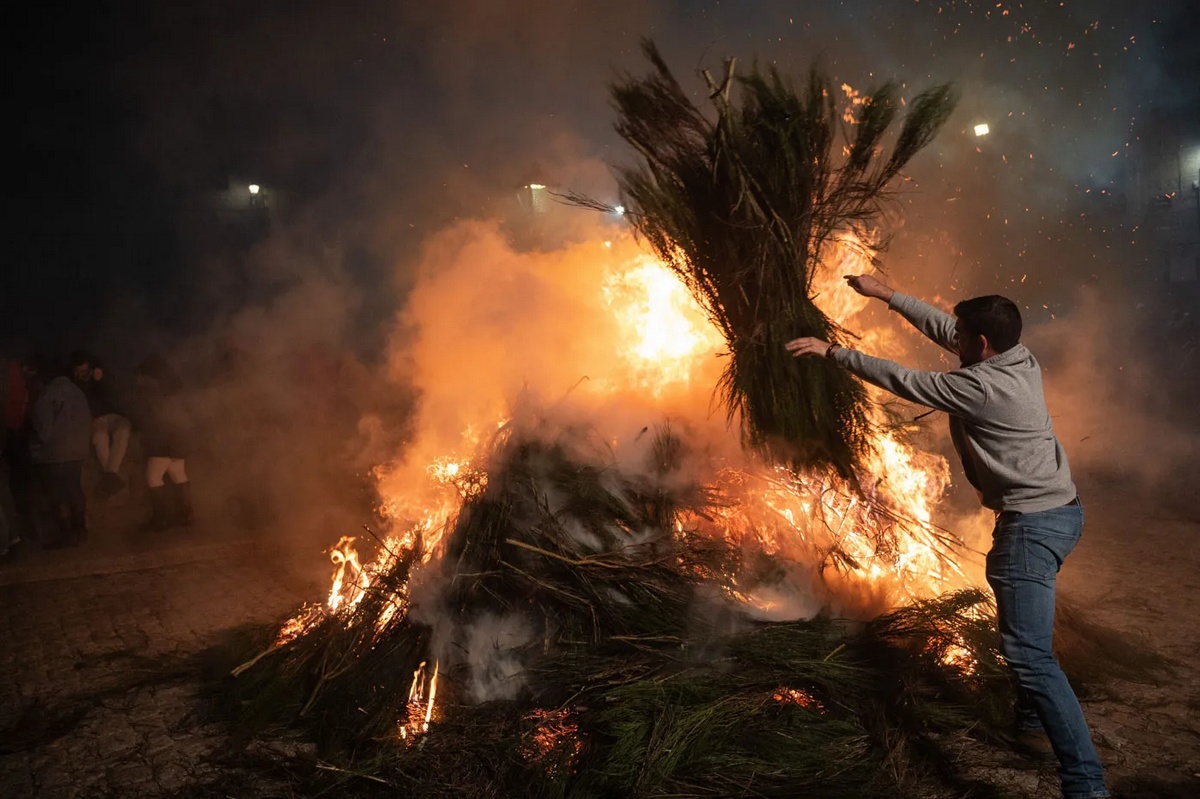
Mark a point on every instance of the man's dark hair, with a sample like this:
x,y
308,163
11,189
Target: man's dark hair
x,y
82,358
993,316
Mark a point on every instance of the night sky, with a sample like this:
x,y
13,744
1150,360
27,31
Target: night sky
x,y
381,122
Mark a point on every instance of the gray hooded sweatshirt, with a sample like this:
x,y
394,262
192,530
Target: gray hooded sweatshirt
x,y
998,418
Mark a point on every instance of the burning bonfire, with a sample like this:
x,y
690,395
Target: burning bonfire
x,y
592,587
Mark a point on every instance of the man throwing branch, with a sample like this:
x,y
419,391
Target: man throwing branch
x,y
1001,430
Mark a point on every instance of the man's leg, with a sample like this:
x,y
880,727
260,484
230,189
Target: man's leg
x,y
74,499
100,441
1022,566
177,468
120,428
110,437
156,470
22,485
55,528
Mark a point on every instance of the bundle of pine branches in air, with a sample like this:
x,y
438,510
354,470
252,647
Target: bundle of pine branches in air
x,y
742,199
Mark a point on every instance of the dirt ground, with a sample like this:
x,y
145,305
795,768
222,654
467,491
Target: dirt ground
x,y
101,685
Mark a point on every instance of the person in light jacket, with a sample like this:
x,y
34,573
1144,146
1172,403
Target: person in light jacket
x,y
1001,430
60,438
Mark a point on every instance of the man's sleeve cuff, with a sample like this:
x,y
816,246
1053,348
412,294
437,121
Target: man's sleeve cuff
x,y
898,299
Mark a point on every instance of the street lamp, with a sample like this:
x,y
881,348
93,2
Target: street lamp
x,y
255,188
982,129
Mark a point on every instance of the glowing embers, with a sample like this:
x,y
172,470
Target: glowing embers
x,y
421,698
552,739
957,654
460,474
307,616
957,643
798,697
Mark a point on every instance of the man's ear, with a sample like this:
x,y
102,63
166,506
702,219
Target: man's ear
x,y
985,345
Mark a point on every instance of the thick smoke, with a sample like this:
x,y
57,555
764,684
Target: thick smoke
x,y
401,136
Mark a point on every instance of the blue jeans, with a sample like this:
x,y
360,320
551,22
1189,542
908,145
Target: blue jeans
x,y
1027,551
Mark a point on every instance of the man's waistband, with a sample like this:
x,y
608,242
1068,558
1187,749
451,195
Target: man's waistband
x,y
1008,515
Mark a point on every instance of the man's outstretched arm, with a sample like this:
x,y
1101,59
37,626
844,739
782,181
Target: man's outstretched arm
x,y
959,392
937,326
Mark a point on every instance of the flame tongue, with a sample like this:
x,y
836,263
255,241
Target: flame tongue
x,y
432,696
421,697
350,583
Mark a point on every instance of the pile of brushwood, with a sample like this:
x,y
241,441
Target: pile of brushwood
x,y
586,647
741,197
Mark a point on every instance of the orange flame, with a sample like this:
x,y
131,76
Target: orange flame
x,y
350,583
421,697
663,330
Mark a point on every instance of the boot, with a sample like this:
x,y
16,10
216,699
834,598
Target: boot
x,y
183,504
160,514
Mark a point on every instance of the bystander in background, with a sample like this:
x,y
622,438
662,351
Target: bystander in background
x,y
162,422
61,432
110,424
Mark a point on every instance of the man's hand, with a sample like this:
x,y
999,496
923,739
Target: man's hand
x,y
870,286
807,346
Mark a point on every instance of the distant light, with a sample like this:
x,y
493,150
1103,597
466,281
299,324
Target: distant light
x,y
982,129
255,188
608,244
536,186
619,210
